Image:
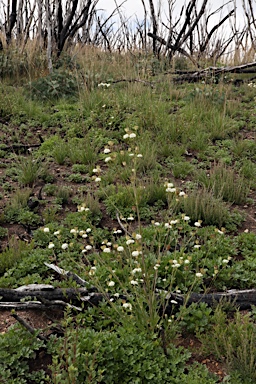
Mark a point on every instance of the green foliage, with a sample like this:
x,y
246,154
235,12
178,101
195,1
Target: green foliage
x,y
58,84
201,205
25,268
3,232
236,343
17,349
87,356
195,318
16,252
63,194
29,170
224,183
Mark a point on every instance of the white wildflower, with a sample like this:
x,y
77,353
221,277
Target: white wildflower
x,y
108,159
136,270
64,246
106,150
51,245
137,236
127,306
107,250
111,283
129,241
88,247
120,248
73,231
171,190
46,230
56,233
135,253
199,274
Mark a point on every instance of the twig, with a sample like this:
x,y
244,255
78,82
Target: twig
x,y
121,225
71,275
28,326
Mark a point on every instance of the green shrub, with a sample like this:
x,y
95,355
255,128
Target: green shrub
x,y
233,342
16,252
58,84
85,356
17,348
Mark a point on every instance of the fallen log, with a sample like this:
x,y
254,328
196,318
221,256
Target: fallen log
x,y
44,296
211,72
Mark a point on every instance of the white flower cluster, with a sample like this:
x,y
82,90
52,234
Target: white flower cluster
x,y
104,85
129,135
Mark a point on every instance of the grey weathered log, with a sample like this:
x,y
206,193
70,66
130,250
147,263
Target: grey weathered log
x,y
215,71
48,295
71,276
243,299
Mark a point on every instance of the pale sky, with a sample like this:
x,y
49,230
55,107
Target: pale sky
x,y
132,8
135,6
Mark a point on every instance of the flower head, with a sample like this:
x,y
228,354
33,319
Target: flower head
x,y
127,306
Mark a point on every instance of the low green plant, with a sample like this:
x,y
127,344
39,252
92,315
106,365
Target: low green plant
x,y
16,252
202,205
28,218
60,152
224,183
56,85
63,194
86,356
29,170
3,232
17,348
181,169
235,344
195,318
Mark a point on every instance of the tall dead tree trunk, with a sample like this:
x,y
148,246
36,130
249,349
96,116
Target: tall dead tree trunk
x,y
154,25
11,22
49,35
